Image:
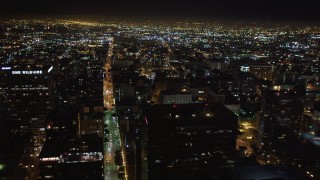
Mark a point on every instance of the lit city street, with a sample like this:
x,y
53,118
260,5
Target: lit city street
x,y
112,138
247,139
111,146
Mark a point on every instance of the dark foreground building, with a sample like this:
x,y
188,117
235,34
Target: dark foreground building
x,y
66,154
72,159
191,141
264,172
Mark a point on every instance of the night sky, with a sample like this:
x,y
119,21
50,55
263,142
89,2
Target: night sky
x,y
241,9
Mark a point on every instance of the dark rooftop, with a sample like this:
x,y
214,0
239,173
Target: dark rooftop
x,y
190,112
266,172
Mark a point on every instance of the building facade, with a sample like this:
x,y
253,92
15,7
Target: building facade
x,y
190,141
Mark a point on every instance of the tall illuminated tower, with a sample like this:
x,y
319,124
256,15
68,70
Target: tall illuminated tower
x,y
27,95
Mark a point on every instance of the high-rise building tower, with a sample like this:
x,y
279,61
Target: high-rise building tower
x,y
27,95
280,118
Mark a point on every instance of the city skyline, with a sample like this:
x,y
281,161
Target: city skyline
x,y
162,90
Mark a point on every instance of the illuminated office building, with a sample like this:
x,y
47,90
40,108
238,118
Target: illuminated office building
x,y
27,93
262,70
